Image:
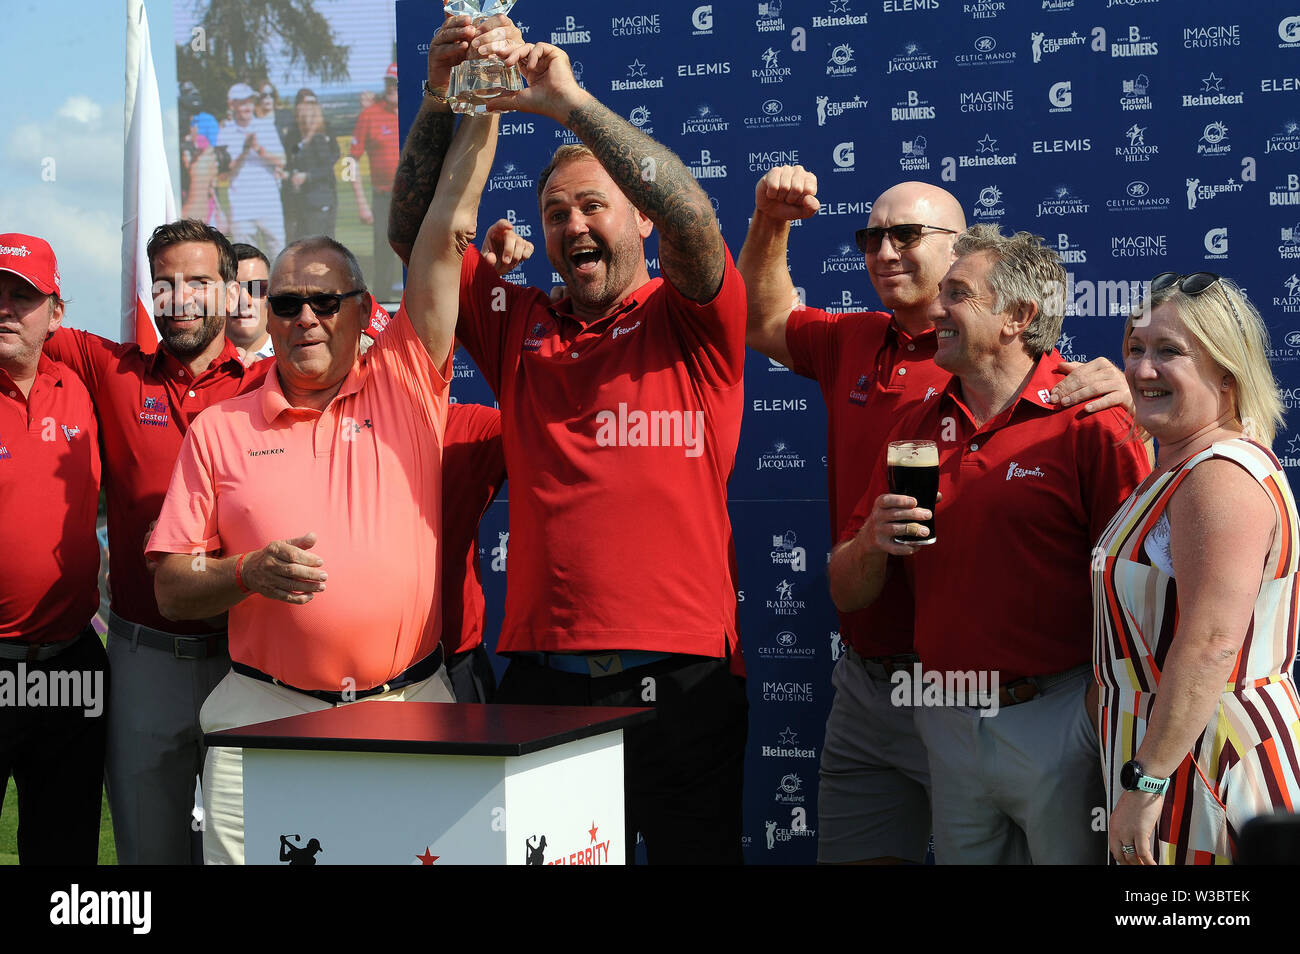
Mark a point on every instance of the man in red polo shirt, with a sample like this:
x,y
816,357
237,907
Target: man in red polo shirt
x,y
1026,486
375,134
316,500
872,802
621,407
53,670
145,402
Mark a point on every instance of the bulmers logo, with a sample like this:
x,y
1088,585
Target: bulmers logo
x,y
1286,194
1070,253
1136,43
913,107
708,167
570,33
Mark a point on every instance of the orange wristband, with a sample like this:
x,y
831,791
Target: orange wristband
x,y
239,575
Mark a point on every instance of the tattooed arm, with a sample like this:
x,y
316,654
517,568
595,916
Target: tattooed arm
x,y
655,180
430,135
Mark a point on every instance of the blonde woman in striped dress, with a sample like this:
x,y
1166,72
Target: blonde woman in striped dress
x,y
1194,589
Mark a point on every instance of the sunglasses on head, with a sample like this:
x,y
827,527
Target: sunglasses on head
x,y
256,287
322,305
903,236
1193,284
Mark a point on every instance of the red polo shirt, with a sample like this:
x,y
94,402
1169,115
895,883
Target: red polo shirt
x,y
376,133
1006,585
869,370
620,435
49,497
473,470
145,402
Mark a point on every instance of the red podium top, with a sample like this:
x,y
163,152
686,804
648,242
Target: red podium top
x,y
432,728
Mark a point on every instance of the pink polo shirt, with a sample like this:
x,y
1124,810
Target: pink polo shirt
x,y
365,475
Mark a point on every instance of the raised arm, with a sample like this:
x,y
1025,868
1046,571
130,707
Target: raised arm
x,y
655,180
430,135
432,296
783,195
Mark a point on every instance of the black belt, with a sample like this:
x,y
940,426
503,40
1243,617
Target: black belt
x,y
38,652
182,647
882,667
423,669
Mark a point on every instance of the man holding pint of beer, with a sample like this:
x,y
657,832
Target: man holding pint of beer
x,y
1002,610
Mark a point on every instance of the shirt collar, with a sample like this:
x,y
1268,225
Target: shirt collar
x,y
274,403
1035,394
162,358
564,307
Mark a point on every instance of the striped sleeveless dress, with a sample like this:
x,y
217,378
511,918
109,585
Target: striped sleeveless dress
x,y
1247,761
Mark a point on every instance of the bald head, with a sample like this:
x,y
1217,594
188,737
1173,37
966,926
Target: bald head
x,y
907,280
930,204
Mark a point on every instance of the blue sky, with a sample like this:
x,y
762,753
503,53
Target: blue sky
x,y
66,63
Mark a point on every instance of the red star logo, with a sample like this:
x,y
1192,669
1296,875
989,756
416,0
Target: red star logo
x,y
428,857
592,832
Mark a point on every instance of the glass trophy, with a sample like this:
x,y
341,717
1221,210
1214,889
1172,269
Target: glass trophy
x,y
475,83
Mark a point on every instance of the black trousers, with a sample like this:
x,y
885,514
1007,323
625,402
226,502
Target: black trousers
x,y
56,754
684,770
471,675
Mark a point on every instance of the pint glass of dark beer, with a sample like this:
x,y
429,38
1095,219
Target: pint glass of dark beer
x,y
914,472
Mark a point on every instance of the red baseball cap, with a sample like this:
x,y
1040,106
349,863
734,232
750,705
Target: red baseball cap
x,y
31,259
391,73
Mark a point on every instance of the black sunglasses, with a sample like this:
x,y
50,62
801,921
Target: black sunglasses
x,y
903,236
322,305
1193,284
256,287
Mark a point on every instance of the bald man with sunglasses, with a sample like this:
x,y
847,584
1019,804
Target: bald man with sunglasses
x,y
310,509
873,800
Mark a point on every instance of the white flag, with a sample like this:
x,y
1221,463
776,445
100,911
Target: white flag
x,y
147,197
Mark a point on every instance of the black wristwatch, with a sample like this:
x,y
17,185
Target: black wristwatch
x,y
1134,779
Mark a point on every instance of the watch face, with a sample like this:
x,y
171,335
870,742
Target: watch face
x,y
1129,775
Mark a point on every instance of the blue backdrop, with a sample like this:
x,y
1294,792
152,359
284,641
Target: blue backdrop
x,y
1137,136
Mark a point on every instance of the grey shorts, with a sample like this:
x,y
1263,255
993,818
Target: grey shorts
x,y
873,800
1021,787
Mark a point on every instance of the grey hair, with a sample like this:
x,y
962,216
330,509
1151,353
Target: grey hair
x,y
1024,272
316,243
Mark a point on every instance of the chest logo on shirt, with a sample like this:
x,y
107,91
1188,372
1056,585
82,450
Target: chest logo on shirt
x,y
266,452
70,432
861,391
929,393
4,451
352,427
636,428
155,412
624,330
1015,470
533,340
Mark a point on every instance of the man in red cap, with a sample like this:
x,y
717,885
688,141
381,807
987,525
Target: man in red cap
x,y
376,134
146,401
53,669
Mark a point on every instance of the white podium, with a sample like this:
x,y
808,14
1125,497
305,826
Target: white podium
x,y
430,783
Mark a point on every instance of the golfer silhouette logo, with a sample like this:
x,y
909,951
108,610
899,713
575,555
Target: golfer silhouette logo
x,y
535,851
298,854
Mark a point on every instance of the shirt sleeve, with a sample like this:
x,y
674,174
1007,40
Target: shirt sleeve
x,y
85,353
360,133
400,354
188,520
486,303
714,331
1111,462
810,339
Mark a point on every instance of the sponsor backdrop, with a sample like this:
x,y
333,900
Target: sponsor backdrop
x,y
1135,135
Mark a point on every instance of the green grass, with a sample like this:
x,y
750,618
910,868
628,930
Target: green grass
x,y
9,830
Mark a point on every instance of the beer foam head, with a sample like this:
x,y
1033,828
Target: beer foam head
x,y
913,454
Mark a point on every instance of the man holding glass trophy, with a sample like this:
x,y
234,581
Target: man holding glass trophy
x,y
620,587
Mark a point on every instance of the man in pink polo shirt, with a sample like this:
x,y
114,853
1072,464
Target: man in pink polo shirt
x,y
310,509
1026,486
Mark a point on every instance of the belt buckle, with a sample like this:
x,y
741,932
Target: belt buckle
x,y
1022,683
192,654
605,664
